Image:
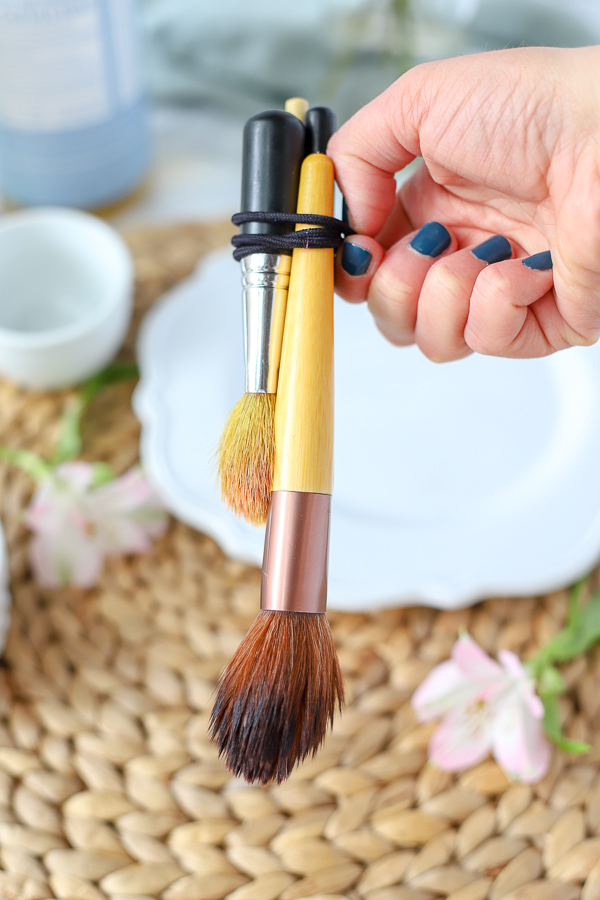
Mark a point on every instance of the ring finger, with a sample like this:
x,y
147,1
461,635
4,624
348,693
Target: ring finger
x,y
443,308
393,293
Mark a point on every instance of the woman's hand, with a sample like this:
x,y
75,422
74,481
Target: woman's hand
x,y
493,244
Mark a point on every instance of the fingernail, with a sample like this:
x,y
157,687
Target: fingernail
x,y
494,250
345,214
431,240
540,261
355,259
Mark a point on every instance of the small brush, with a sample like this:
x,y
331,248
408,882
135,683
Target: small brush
x,y
272,155
281,689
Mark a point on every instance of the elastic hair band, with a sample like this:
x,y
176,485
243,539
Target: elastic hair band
x,y
330,233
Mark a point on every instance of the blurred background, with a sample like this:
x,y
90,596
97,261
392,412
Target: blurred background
x,y
206,67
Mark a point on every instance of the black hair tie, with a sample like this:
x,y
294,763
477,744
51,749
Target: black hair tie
x,y
330,233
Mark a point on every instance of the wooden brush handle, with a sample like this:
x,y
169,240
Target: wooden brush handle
x,y
297,106
304,406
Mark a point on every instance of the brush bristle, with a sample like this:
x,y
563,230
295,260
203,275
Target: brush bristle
x,y
246,457
277,696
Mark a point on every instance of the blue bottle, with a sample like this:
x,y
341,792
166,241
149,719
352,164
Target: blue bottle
x,y
73,114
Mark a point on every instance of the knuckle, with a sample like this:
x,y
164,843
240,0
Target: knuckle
x,y
440,352
448,284
389,294
480,341
398,339
435,355
493,283
587,340
581,338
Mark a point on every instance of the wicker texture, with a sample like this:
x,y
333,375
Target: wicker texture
x,y
109,786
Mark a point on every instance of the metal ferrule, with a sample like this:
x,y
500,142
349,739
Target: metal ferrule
x,y
265,280
294,573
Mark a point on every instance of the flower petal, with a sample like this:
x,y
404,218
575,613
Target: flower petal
x,y
67,557
474,662
119,536
462,739
523,681
77,474
513,665
128,493
57,499
127,513
47,509
443,689
519,743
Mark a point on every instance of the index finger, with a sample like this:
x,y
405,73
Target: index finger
x,y
378,141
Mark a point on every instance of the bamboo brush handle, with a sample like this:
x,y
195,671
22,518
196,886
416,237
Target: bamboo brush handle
x,y
297,106
304,406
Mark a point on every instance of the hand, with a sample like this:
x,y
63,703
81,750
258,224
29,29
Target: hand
x,y
510,142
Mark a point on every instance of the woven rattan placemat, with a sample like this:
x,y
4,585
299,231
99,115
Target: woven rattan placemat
x,y
109,786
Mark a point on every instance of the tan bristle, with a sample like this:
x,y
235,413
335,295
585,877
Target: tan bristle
x,y
246,457
277,696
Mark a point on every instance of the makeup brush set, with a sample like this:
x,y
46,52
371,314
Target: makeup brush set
x,y
452,483
280,691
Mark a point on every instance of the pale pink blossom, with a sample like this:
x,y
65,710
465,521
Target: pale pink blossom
x,y
485,707
77,524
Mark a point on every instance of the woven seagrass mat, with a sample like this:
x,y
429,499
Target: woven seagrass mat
x,y
109,786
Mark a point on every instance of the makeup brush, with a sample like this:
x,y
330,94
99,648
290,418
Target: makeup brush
x,y
280,691
272,154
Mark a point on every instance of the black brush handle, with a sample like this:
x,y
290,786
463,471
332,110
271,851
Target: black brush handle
x,y
319,124
272,156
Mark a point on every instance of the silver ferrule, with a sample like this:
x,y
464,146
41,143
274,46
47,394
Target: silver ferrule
x,y
265,280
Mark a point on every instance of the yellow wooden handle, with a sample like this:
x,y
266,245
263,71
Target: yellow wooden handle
x,y
304,406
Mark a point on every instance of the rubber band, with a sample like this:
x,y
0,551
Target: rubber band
x,y
329,233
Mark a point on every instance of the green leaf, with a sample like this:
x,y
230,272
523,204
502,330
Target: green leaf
x,y
569,746
27,461
553,728
581,632
68,445
103,473
551,681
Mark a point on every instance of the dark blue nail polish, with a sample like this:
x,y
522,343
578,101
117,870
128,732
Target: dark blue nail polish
x,y
355,259
345,214
540,261
431,240
494,250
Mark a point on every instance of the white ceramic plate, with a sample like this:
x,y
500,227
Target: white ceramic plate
x,y
452,482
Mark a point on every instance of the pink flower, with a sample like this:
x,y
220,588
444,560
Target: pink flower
x,y
77,524
485,707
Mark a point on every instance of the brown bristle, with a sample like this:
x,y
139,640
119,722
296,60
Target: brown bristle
x,y
246,457
277,695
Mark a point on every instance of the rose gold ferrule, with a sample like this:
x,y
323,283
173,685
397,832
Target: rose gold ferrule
x,y
294,573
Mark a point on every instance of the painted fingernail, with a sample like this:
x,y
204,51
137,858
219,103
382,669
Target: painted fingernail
x,y
345,214
355,259
494,250
540,261
431,240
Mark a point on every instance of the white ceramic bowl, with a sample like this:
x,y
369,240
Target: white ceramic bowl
x,y
66,288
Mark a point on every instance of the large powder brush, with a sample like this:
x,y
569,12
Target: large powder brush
x,y
280,691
